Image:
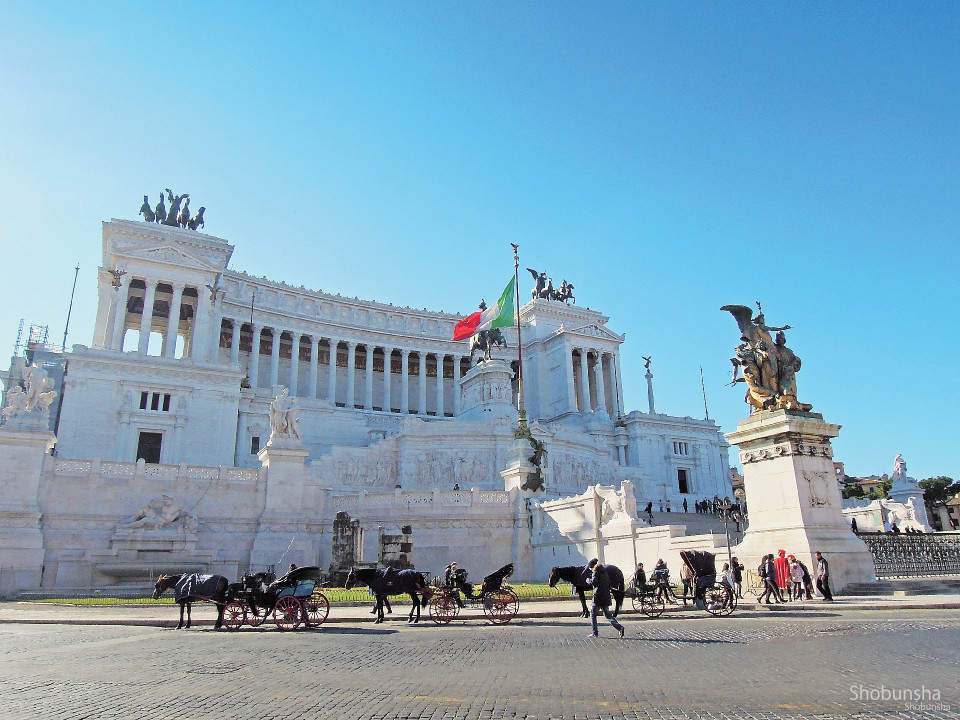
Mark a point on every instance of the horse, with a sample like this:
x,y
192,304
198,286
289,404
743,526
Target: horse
x,y
145,210
160,214
577,576
485,340
391,581
186,589
197,220
183,218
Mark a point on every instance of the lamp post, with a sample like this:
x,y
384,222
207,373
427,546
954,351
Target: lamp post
x,y
729,512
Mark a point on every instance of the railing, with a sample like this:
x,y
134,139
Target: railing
x,y
909,555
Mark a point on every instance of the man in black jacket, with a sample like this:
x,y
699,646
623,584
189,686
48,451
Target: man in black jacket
x,y
601,599
823,578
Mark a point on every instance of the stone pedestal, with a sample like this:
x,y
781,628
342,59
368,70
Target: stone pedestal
x,y
519,470
282,535
486,393
793,498
22,454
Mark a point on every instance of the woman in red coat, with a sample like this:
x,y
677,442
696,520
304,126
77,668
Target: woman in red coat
x,y
782,567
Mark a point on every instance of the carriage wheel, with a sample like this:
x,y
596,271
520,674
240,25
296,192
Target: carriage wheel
x,y
443,608
652,605
637,601
315,609
234,615
501,606
718,600
288,613
256,617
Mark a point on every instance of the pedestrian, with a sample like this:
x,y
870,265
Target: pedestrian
x,y
768,574
823,578
686,577
726,578
796,577
737,572
649,511
685,505
640,580
782,567
807,580
661,506
668,508
853,524
602,599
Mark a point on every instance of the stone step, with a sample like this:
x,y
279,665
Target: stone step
x,y
903,587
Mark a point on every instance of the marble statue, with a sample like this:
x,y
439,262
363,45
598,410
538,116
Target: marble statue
x,y
769,367
899,468
160,512
284,420
28,401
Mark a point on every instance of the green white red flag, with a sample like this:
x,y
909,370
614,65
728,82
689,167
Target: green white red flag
x,y
495,316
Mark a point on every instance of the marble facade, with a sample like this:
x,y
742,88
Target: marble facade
x,y
188,355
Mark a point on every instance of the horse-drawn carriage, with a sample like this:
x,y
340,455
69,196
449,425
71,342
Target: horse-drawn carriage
x,y
714,597
497,600
294,599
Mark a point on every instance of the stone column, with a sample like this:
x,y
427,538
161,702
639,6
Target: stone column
x,y
120,317
649,377
598,377
456,384
173,322
404,381
314,358
351,372
254,368
147,318
387,359
235,341
422,385
440,358
275,356
295,362
571,381
368,380
584,382
332,374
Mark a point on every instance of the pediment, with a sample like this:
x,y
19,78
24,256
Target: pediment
x,y
595,331
168,255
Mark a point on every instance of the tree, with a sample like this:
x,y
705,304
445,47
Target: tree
x,y
880,491
937,490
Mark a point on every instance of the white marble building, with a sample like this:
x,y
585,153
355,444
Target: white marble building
x,y
187,356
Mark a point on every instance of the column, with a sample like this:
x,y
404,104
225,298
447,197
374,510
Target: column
x,y
440,359
584,382
387,356
368,385
404,381
295,362
571,381
147,317
351,372
173,322
598,376
235,341
422,389
456,384
332,375
314,358
275,356
120,318
254,368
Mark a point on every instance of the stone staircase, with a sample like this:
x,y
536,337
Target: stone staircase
x,y
696,523
902,587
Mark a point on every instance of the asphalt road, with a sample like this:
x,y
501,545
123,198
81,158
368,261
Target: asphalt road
x,y
821,665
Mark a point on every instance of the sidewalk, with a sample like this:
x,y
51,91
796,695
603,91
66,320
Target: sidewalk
x,y
205,614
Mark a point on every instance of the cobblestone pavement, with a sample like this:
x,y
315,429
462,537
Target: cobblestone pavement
x,y
821,665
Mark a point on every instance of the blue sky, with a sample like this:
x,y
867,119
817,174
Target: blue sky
x,y
666,160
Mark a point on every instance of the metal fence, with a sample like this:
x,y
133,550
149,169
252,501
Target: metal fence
x,y
906,555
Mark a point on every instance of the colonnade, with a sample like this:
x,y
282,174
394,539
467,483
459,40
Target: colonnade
x,y
595,382
168,297
342,385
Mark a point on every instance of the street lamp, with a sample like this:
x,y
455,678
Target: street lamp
x,y
729,512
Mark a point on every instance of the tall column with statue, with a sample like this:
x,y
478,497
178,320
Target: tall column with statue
x,y
792,496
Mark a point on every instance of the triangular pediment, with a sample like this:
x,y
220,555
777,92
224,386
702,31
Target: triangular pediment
x,y
595,331
168,255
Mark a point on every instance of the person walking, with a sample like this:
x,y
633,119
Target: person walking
x,y
737,572
782,567
640,580
649,511
602,599
686,576
768,574
807,580
796,578
823,578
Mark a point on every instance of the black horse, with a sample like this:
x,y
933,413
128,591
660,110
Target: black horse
x,y
390,581
577,576
191,588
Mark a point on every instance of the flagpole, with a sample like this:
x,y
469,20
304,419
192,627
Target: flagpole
x,y
522,429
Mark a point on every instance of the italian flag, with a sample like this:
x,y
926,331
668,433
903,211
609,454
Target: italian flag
x,y
495,316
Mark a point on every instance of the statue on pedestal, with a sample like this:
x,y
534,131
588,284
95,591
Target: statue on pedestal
x,y
28,401
284,420
485,340
769,367
177,217
161,512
